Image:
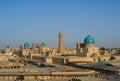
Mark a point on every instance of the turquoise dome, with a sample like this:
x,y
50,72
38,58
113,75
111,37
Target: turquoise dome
x,y
89,40
26,44
43,44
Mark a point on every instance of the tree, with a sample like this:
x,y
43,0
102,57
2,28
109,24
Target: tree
x,y
102,48
7,46
112,58
76,79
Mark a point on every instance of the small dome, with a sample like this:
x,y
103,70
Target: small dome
x,y
43,44
26,44
89,40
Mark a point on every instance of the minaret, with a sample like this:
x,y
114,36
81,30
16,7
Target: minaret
x,y
78,48
61,47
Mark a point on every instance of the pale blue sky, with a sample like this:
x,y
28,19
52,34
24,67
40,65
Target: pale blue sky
x,y
37,21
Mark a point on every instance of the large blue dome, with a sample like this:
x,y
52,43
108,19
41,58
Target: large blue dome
x,y
26,44
89,40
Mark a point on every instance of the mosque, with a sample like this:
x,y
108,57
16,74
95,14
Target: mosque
x,y
88,49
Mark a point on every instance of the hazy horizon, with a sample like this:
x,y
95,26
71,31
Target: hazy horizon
x,y
36,21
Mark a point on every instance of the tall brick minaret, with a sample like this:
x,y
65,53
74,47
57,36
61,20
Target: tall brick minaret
x,y
61,46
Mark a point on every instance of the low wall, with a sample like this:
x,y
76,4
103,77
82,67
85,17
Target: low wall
x,y
74,73
80,59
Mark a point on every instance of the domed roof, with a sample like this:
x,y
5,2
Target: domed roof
x,y
43,44
26,44
89,40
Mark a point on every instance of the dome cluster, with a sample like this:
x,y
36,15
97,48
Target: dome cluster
x,y
26,45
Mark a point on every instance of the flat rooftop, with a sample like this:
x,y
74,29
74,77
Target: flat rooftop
x,y
95,66
34,70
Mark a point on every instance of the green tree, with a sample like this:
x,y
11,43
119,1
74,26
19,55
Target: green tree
x,y
76,80
7,46
102,48
112,58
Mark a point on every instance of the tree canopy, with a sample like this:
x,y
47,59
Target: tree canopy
x,y
102,48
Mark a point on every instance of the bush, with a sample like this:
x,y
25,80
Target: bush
x,y
76,80
112,58
102,48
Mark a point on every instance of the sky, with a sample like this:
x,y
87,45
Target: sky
x,y
36,21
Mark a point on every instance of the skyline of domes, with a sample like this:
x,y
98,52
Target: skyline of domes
x,y
89,40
